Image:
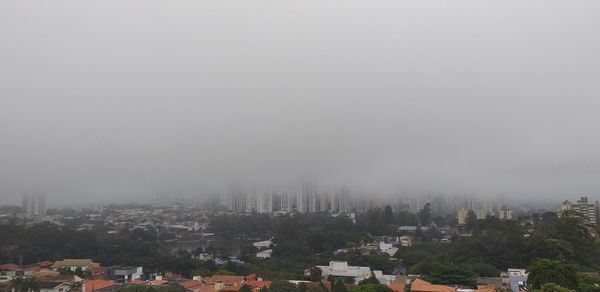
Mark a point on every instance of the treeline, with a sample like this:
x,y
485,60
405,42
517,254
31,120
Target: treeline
x,y
495,246
47,241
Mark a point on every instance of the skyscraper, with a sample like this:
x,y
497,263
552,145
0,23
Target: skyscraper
x,y
34,205
307,200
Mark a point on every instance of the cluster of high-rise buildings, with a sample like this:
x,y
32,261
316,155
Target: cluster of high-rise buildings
x,y
303,198
34,205
587,211
504,213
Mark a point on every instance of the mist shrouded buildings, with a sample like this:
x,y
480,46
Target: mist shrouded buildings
x,y
34,205
302,198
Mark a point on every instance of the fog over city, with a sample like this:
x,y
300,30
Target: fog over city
x,y
124,100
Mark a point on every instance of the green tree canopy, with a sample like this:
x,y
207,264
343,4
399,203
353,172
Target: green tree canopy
x,y
551,287
372,288
425,215
544,271
282,286
449,273
370,280
339,287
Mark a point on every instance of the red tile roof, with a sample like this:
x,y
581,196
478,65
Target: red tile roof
x,y
204,289
9,267
190,284
419,285
397,286
158,282
227,280
92,285
258,284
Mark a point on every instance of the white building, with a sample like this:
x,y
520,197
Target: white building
x,y
505,213
387,248
405,241
356,273
262,244
126,273
342,269
263,254
582,209
58,286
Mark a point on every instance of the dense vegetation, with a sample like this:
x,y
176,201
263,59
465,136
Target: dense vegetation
x,y
483,248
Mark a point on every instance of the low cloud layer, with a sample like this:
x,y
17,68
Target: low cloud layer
x,y
108,99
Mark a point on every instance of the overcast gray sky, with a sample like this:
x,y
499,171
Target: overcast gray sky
x,y
105,99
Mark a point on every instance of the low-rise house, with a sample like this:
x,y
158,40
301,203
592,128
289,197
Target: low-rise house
x,y
405,241
388,248
9,270
221,282
29,270
384,279
196,286
172,277
256,285
98,272
74,264
191,285
59,286
264,254
158,281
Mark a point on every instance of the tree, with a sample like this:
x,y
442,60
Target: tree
x,y
449,273
245,288
316,274
370,280
485,270
471,222
282,286
407,218
551,287
302,287
372,288
544,271
339,287
425,215
374,221
388,215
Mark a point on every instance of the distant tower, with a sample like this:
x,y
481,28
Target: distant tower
x,y
34,205
236,199
308,198
462,216
505,213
